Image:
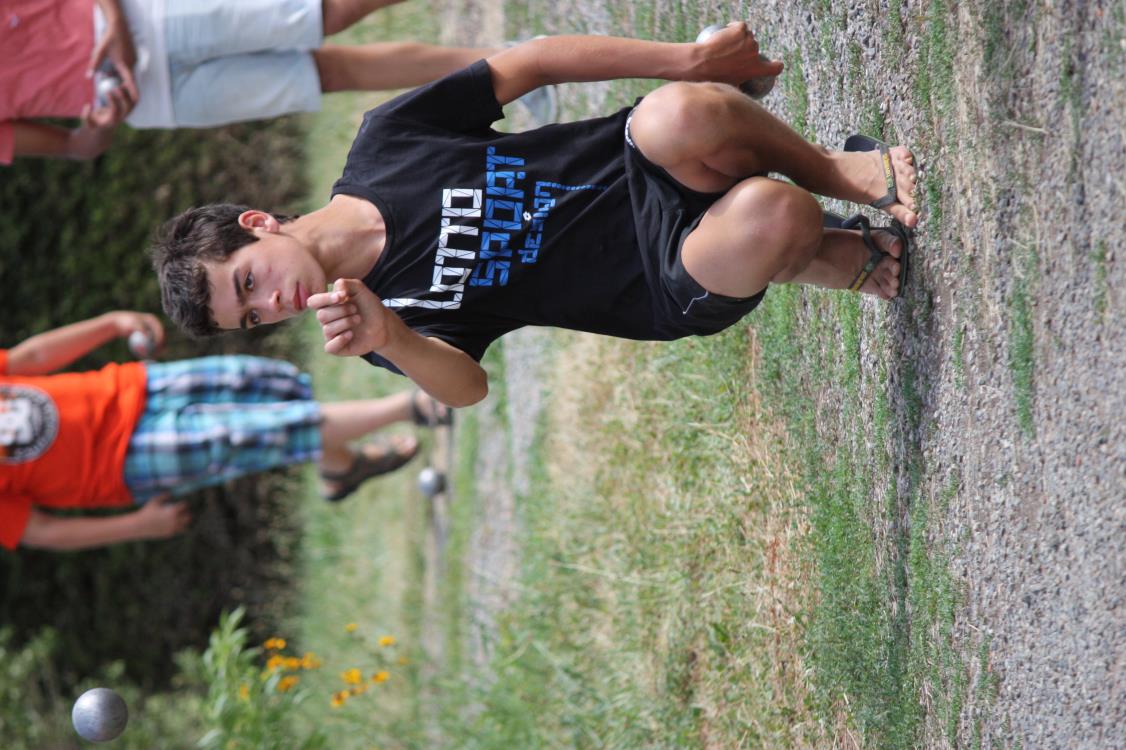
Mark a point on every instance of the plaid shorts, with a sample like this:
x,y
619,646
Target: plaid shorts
x,y
211,419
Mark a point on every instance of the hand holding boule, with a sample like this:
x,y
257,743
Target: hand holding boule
x,y
142,345
756,87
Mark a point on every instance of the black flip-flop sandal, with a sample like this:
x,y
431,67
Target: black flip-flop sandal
x,y
438,419
364,468
867,143
831,220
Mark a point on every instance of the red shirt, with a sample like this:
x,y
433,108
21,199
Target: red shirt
x,y
45,49
63,440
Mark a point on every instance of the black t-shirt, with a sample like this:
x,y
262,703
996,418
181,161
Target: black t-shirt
x,y
490,231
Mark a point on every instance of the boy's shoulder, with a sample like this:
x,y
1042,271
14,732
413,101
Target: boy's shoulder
x,y
460,102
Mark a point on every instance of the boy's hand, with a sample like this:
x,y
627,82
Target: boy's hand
x,y
162,517
353,319
731,55
120,104
116,44
127,321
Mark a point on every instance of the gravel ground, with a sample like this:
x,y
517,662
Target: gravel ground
x,y
1027,168
1030,168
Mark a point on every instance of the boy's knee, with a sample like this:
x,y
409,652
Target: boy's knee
x,y
788,221
679,113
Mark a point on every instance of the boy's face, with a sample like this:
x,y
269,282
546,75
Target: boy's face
x,y
264,282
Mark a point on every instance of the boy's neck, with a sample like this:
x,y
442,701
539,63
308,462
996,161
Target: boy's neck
x,y
347,236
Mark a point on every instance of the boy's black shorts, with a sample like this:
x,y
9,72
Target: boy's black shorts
x,y
664,213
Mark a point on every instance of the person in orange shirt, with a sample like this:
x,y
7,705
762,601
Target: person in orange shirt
x,y
133,435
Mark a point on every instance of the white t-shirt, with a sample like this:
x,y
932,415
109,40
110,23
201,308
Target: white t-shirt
x,y
146,23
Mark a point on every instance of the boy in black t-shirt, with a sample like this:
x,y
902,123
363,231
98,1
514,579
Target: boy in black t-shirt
x,y
652,223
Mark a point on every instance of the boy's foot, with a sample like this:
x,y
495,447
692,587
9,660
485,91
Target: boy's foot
x,y
865,171
883,281
426,411
369,460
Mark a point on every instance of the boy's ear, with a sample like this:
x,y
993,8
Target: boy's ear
x,y
252,219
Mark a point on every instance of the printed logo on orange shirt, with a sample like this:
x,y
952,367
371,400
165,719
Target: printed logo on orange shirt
x,y
29,423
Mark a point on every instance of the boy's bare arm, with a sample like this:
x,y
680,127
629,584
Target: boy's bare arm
x,y
157,519
728,56
355,322
52,350
40,139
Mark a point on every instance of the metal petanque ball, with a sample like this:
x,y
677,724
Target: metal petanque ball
x,y
431,481
756,87
141,344
99,715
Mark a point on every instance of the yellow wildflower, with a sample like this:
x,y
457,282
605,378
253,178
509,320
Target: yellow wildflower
x,y
352,676
292,663
274,662
287,682
380,676
244,692
387,640
359,689
404,660
310,661
338,698
350,627
274,644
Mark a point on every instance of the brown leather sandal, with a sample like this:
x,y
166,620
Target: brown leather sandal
x,y
364,467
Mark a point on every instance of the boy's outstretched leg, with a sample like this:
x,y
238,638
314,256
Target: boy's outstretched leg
x,y
342,467
709,136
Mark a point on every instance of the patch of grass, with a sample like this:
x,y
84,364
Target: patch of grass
x,y
934,76
912,400
656,509
854,646
797,93
994,49
855,61
1101,286
932,184
1071,89
959,356
932,602
464,515
873,121
848,311
826,38
1114,32
894,21
1022,339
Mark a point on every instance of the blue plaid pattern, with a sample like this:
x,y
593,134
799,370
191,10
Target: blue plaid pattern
x,y
212,419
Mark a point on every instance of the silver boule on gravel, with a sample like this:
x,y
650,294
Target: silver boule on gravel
x,y
756,87
99,715
431,481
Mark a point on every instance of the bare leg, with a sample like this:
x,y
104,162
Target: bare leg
x,y
338,15
842,254
389,65
345,421
709,136
764,231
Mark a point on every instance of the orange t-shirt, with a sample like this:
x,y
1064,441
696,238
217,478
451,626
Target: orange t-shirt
x,y
63,440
